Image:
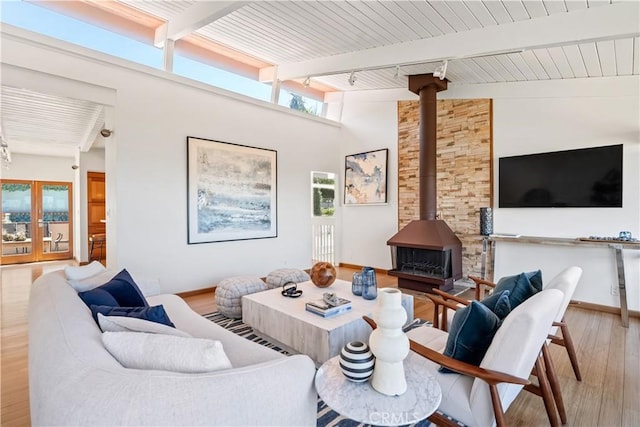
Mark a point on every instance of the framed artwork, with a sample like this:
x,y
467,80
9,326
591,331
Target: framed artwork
x,y
232,192
365,178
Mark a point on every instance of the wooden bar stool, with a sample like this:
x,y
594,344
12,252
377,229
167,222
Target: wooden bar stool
x,y
97,241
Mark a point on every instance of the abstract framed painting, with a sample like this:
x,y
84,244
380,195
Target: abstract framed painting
x,y
365,178
232,191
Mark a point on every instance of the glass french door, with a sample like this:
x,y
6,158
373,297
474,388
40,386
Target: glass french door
x,y
36,221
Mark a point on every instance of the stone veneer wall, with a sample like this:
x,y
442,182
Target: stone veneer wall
x,y
464,161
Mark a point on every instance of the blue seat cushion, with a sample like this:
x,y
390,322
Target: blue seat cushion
x,y
123,290
520,286
155,314
472,330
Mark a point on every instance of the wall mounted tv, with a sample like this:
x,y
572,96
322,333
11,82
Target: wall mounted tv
x,y
584,178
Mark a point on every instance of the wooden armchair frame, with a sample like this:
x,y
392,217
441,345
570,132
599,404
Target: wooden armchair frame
x,y
491,377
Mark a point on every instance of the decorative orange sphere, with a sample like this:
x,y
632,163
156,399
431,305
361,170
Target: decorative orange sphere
x,y
323,274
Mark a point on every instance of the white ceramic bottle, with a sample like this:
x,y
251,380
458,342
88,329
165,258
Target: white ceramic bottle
x,y
389,344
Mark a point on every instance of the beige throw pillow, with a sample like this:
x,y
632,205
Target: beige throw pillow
x,y
139,350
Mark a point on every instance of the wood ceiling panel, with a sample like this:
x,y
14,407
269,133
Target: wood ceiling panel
x,y
495,69
464,14
574,56
516,10
624,56
474,65
161,9
498,11
546,61
378,34
450,16
481,13
385,17
535,8
434,17
561,62
507,63
414,9
409,20
590,58
534,64
607,57
519,61
555,6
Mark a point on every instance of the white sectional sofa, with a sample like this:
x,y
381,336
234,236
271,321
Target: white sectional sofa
x,y
74,380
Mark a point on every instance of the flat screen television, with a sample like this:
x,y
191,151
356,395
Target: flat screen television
x,y
584,178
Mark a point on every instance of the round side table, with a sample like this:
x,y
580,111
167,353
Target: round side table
x,y
360,402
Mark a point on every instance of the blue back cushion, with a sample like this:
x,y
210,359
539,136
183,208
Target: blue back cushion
x,y
520,287
98,297
472,330
498,302
153,314
123,290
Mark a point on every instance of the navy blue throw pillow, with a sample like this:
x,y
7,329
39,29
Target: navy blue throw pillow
x,y
498,302
122,288
472,330
535,278
98,297
152,314
519,286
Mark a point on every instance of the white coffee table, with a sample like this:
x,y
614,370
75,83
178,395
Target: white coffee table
x,y
360,402
286,322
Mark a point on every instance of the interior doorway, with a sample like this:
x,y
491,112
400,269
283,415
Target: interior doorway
x,y
96,216
323,211
37,224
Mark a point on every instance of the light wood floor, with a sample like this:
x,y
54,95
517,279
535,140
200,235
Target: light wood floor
x,y
609,355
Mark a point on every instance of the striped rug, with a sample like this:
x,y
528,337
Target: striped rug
x,y
327,417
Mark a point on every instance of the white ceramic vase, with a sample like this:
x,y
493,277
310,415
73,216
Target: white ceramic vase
x,y
389,344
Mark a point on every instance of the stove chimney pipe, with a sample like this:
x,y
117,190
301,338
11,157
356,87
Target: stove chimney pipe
x,y
427,86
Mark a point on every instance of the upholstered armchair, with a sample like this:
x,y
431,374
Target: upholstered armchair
x,y
479,395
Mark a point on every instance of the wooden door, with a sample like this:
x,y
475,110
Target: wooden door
x,y
37,224
96,209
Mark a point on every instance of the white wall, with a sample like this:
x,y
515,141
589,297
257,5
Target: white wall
x,y
527,118
532,125
369,124
38,168
146,163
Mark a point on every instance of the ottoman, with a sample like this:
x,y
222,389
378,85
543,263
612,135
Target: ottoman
x,y
230,291
279,277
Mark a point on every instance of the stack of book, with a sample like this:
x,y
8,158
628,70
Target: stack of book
x,y
322,308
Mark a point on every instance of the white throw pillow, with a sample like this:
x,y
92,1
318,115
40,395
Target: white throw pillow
x,y
147,285
139,350
92,282
133,324
83,271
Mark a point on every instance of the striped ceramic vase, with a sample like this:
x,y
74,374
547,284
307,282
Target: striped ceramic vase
x,y
356,361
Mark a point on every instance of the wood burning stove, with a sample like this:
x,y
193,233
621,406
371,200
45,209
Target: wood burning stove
x,y
426,254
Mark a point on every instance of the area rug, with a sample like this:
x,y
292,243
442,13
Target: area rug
x,y
326,416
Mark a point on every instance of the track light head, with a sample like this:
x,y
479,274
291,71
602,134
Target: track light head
x,y
307,82
441,71
352,78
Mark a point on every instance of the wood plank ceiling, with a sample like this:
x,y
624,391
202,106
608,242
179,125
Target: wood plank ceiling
x,y
292,32
380,42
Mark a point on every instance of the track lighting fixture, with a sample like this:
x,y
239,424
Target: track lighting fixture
x,y
106,133
306,82
5,154
441,71
352,78
396,75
